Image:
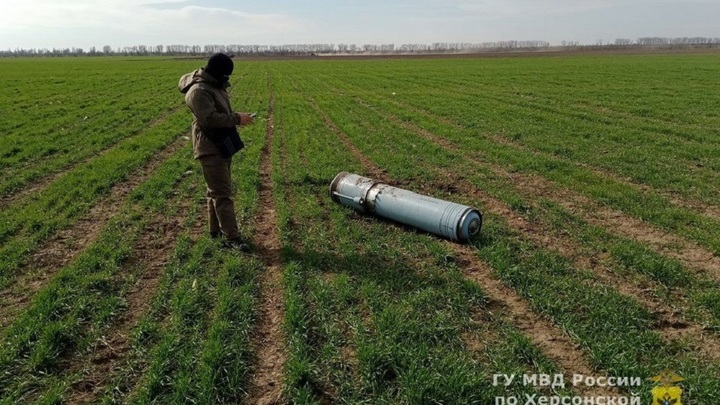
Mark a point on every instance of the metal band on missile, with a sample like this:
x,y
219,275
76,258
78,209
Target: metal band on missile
x,y
447,219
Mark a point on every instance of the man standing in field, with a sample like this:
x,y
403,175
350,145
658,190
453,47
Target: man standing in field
x,y
207,97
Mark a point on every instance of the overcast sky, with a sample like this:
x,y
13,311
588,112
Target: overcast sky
x,y
118,23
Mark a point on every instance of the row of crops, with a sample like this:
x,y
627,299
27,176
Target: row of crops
x,y
597,177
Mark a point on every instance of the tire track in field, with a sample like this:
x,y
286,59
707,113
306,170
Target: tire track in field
x,y
556,345
279,128
62,248
266,386
669,323
38,185
153,252
689,253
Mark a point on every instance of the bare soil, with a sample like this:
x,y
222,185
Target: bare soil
x,y
270,356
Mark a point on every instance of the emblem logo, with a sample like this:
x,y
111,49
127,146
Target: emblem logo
x,y
667,392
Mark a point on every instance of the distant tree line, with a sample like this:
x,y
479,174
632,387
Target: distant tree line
x,y
331,49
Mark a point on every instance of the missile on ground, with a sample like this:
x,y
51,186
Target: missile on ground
x,y
447,219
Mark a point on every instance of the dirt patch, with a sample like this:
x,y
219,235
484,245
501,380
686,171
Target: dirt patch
x,y
266,382
89,389
65,246
482,332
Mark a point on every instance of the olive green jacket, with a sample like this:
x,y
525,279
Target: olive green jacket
x,y
211,109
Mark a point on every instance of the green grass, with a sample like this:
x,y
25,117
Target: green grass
x,y
371,314
32,220
68,314
71,115
615,330
374,312
478,119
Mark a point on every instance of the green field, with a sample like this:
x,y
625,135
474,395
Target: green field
x,y
598,178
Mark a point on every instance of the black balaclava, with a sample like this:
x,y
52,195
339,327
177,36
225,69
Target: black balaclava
x,y
220,67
